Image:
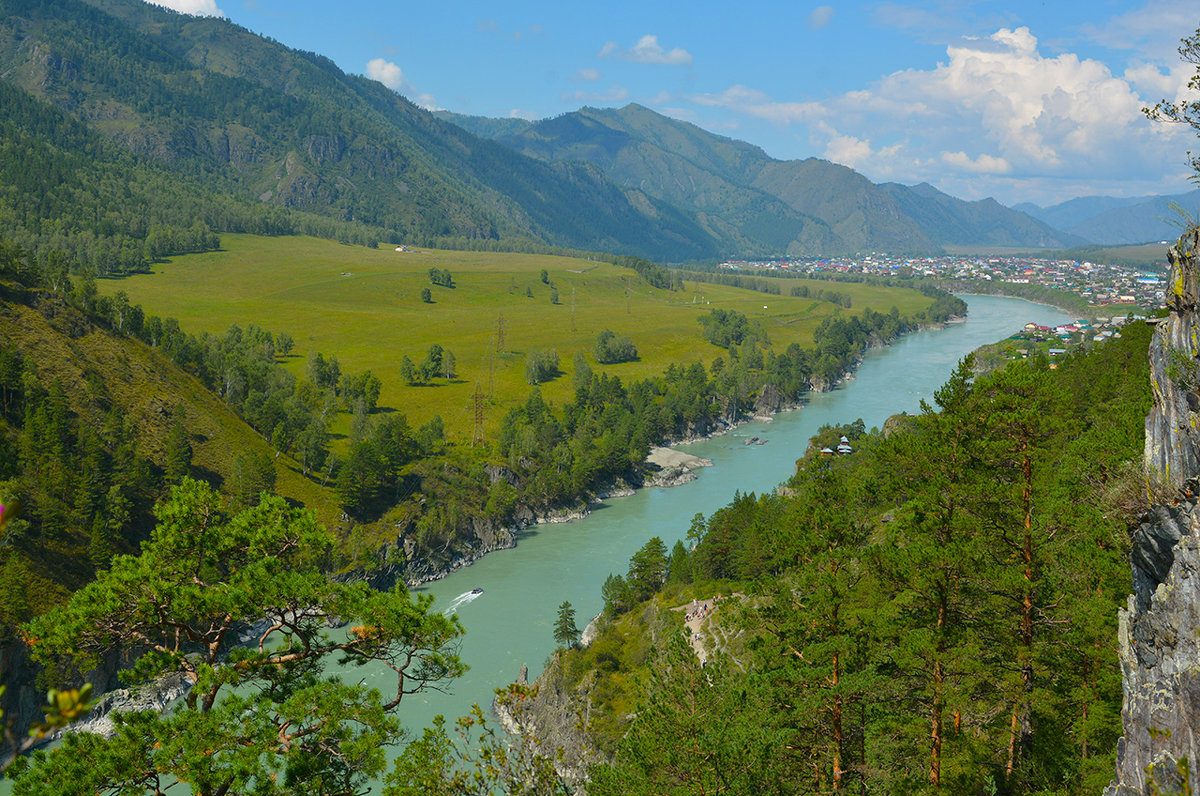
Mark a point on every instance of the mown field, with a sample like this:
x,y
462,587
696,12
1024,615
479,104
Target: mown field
x,y
364,306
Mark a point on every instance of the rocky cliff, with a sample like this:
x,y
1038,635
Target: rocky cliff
x,y
1160,627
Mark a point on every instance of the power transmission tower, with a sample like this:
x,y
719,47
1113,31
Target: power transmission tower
x,y
501,327
572,308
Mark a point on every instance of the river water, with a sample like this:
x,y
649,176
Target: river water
x,y
511,622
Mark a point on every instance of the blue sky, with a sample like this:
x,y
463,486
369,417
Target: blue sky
x,y
1020,101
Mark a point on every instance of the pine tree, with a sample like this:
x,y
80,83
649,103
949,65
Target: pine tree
x,y
566,633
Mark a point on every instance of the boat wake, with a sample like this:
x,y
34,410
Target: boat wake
x,y
461,600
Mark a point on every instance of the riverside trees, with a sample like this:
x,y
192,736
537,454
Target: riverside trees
x,y
933,614
261,716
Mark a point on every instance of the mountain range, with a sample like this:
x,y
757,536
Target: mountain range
x,y
754,203
1114,220
165,118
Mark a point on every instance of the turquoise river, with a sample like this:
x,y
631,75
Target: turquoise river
x,y
511,622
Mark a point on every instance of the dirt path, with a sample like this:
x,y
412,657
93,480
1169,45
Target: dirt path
x,y
697,614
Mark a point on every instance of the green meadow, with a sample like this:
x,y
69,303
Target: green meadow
x,y
364,306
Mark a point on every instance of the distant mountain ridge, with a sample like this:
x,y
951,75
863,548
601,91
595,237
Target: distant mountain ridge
x,y
748,199
1115,220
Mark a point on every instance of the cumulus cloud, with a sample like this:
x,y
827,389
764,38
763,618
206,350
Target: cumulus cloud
x,y
387,73
820,17
199,8
646,51
392,76
995,117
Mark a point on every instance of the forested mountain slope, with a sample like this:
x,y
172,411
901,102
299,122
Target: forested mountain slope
x,y
93,427
207,100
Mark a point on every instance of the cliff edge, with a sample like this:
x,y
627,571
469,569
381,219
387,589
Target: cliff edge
x,y
1159,630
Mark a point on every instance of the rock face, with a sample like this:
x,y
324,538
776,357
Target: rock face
x,y
1172,437
1160,627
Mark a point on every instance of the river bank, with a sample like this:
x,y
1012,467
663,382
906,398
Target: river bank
x,y
417,569
511,623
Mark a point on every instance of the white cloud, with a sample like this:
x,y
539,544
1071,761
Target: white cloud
x,y
848,150
752,102
820,17
586,75
392,76
529,116
199,8
387,73
646,51
984,164
1026,120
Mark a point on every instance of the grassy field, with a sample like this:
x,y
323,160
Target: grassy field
x,y
364,306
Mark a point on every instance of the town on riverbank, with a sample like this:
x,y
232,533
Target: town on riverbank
x,y
1099,285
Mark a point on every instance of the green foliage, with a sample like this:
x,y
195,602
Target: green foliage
x,y
936,612
541,365
566,632
481,762
698,729
179,453
724,328
647,569
830,435
440,277
262,715
611,347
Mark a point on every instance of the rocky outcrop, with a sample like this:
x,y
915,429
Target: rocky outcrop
x,y
1172,437
670,467
1159,630
769,401
551,718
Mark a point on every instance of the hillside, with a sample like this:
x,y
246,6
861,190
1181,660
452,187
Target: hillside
x,y
91,426
63,344
203,99
763,205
